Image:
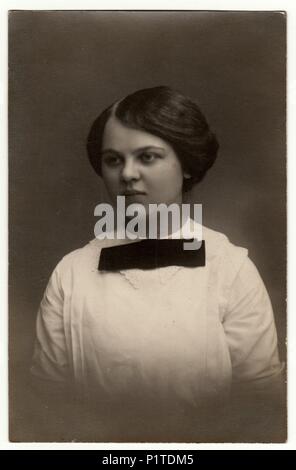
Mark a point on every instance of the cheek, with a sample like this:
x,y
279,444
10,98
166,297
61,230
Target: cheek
x,y
167,182
111,187
110,177
174,174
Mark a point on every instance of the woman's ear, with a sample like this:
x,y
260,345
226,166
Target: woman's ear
x,y
186,175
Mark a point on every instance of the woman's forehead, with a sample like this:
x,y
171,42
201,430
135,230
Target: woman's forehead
x,y
121,138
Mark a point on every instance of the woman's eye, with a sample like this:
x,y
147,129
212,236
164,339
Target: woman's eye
x,y
148,157
112,160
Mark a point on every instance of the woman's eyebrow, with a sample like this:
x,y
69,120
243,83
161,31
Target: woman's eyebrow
x,y
137,150
148,147
111,151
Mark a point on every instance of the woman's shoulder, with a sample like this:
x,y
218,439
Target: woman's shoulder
x,y
231,267
218,243
229,256
86,254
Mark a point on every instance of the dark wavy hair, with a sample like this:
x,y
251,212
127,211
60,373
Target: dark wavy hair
x,y
169,115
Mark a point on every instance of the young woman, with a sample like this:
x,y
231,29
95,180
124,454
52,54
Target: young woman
x,y
159,349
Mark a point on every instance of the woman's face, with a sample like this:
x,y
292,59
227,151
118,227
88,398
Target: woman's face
x,y
140,166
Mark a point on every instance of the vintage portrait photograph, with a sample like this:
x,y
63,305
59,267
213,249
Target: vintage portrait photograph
x,y
147,226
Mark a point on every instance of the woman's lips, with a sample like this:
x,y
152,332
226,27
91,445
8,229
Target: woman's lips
x,y
133,193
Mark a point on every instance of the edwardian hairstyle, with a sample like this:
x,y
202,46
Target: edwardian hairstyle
x,y
169,115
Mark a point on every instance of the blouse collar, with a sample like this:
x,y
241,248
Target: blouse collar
x,y
138,277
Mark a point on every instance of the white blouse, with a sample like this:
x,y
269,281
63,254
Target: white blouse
x,y
156,338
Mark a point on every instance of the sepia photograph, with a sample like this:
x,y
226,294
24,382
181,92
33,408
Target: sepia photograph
x,y
147,226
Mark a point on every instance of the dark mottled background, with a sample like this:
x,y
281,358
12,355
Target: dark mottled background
x,y
64,67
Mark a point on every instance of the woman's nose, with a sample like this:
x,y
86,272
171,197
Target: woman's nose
x,y
129,171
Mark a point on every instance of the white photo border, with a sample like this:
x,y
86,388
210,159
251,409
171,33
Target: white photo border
x,y
235,5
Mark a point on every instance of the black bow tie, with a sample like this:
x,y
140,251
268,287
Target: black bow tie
x,y
151,254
